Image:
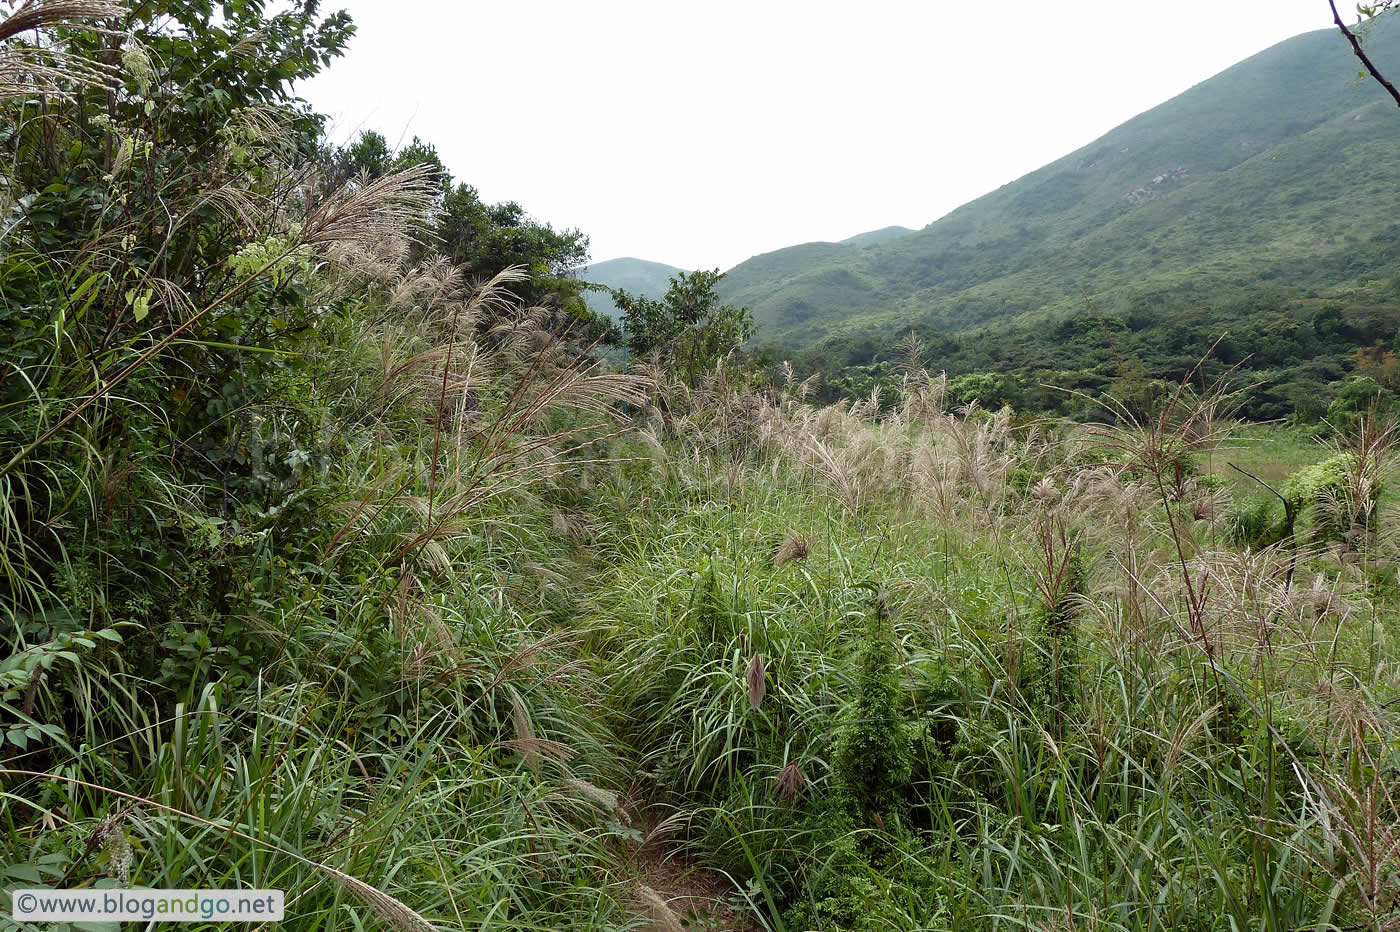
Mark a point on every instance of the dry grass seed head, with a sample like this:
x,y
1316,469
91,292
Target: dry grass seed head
x,y
36,14
794,547
757,679
607,799
789,783
394,912
663,918
1363,823
43,69
368,210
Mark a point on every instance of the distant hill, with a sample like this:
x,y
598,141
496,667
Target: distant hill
x,y
636,276
1274,185
876,236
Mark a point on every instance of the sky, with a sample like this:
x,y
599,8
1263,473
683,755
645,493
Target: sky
x,y
699,134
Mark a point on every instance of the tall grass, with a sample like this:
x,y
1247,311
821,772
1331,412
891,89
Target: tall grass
x,y
1179,790
524,636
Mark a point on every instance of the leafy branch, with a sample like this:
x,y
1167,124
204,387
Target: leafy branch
x,y
1371,11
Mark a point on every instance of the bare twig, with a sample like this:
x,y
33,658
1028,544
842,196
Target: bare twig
x,y
1288,514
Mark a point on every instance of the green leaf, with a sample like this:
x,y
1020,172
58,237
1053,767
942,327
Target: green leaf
x,y
24,872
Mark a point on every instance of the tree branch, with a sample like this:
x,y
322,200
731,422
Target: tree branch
x,y
1361,54
1288,515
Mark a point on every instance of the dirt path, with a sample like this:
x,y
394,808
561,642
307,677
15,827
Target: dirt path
x,y
677,892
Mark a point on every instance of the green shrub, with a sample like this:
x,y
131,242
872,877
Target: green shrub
x,y
1257,523
1050,657
1322,495
1359,395
873,760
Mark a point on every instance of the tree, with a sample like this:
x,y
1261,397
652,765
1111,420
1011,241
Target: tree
x,y
991,390
141,192
1359,395
688,330
149,255
368,155
480,238
488,237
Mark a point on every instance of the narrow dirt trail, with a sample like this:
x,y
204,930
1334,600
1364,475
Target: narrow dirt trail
x,y
677,892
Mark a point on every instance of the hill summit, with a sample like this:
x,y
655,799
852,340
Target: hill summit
x,y
635,276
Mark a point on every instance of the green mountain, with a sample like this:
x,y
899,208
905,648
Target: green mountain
x,y
635,276
1272,186
884,234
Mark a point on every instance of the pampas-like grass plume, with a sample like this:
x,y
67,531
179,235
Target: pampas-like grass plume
x,y
368,211
758,681
37,14
663,917
789,783
607,799
393,911
42,69
793,548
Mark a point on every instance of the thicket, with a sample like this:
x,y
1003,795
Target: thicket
x,y
266,430
1298,359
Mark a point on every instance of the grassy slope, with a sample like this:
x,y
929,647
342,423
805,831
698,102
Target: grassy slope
x,y
1275,168
1026,829
482,733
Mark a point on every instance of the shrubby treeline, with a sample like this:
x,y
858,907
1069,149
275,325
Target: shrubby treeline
x,y
1298,357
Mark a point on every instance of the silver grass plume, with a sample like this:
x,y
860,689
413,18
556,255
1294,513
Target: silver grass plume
x,y
789,783
757,677
393,911
664,919
42,69
794,548
366,211
607,799
36,14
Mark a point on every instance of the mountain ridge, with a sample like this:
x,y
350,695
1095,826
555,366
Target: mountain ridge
x,y
1171,193
884,234
640,277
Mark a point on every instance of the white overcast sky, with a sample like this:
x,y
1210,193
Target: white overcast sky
x,y
701,133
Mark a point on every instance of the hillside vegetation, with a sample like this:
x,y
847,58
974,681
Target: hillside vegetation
x,y
1251,204
881,235
335,560
634,276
